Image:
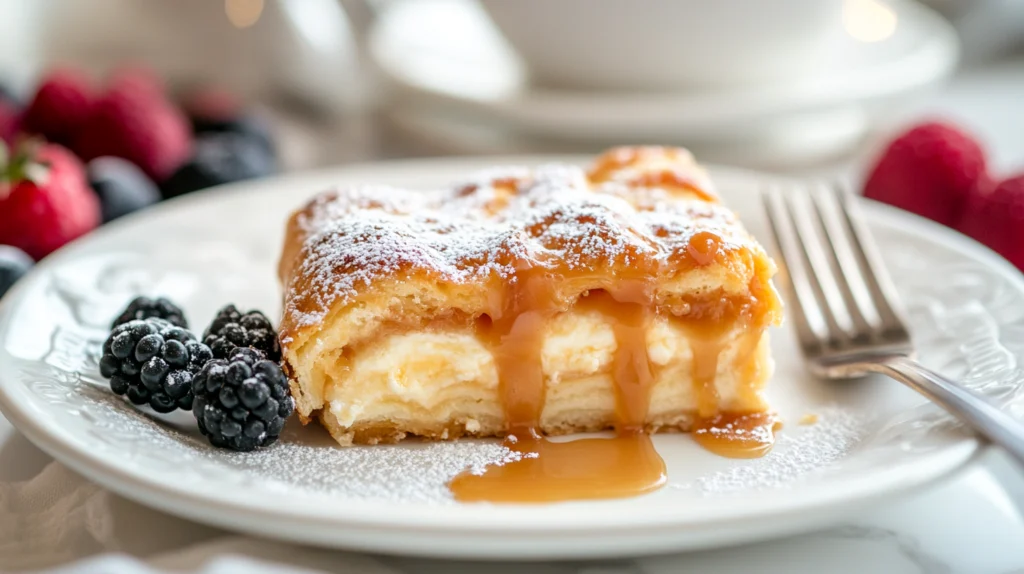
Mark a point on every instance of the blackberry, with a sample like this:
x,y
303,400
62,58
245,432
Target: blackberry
x,y
220,158
242,402
153,362
121,186
14,264
145,308
231,329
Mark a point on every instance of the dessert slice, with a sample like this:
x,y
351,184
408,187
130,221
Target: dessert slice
x,y
545,301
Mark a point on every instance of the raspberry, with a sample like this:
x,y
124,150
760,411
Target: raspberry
x,y
995,217
61,106
241,403
929,170
135,121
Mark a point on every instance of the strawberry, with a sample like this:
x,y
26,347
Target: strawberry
x,y
135,121
60,107
995,217
930,170
45,201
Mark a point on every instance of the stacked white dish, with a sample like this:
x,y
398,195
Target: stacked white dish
x,y
456,79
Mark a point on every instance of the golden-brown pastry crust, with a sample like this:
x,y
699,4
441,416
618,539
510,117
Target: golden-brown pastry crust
x,y
364,262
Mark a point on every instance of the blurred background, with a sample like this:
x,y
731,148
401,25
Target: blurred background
x,y
798,84
195,93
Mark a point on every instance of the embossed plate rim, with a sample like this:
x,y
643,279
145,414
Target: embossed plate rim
x,y
370,524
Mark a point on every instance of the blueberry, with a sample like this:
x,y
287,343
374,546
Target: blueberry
x,y
14,264
220,158
121,186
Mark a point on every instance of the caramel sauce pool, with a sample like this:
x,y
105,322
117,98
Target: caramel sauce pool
x,y
738,436
581,469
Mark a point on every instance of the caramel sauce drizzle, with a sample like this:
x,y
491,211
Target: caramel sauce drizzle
x,y
627,465
738,436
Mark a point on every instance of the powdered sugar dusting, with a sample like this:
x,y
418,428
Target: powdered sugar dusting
x,y
483,228
798,451
304,459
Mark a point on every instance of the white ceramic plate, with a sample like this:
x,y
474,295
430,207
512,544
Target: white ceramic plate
x,y
447,56
873,438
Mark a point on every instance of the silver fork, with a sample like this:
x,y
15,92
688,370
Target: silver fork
x,y
847,315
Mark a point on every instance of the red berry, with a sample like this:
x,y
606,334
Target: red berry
x,y
60,107
995,217
141,77
929,170
137,122
45,200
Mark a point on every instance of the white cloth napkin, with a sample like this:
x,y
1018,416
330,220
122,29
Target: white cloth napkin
x,y
59,522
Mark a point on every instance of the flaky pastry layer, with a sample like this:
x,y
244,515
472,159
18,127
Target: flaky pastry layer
x,y
385,291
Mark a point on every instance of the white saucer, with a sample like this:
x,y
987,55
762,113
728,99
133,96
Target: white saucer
x,y
873,438
445,54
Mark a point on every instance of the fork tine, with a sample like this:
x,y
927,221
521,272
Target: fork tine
x,y
823,279
811,327
866,321
876,277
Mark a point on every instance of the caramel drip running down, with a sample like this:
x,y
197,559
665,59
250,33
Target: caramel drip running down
x,y
627,465
591,468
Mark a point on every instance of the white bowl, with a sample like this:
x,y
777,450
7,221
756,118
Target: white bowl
x,y
668,44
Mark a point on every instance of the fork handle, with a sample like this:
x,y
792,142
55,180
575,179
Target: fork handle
x,y
971,409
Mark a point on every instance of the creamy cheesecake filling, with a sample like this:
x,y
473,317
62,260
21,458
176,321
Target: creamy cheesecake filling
x,y
446,370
